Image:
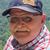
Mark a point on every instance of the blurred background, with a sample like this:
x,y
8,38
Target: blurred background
x,y
4,22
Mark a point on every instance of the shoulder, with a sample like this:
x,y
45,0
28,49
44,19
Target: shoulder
x,y
8,45
44,43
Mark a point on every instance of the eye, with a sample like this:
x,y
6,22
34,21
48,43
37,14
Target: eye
x,y
27,19
14,20
36,14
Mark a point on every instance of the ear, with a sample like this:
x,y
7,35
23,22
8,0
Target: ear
x,y
43,18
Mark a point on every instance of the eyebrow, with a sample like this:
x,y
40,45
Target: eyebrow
x,y
26,13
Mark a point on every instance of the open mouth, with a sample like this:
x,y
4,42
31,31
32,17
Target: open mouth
x,y
21,34
22,31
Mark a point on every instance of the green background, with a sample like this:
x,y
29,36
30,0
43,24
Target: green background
x,y
4,22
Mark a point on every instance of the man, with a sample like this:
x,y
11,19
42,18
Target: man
x,y
28,31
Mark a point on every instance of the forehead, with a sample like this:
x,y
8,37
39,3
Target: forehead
x,y
15,11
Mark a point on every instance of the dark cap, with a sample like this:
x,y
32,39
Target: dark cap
x,y
26,5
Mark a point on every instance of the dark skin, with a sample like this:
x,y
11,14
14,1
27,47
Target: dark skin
x,y
25,26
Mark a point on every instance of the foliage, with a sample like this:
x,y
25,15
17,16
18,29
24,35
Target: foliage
x,y
4,23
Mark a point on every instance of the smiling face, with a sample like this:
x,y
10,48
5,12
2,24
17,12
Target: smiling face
x,y
24,26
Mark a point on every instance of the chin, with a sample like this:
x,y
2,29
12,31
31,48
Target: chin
x,y
21,35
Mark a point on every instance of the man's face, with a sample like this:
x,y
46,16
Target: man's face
x,y
24,24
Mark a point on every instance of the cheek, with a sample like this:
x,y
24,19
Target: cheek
x,y
12,27
35,25
31,26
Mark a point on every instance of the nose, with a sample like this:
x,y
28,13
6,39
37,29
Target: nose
x,y
21,24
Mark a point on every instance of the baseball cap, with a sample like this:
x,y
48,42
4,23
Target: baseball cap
x,y
26,5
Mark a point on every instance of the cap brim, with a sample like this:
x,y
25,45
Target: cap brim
x,y
22,7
